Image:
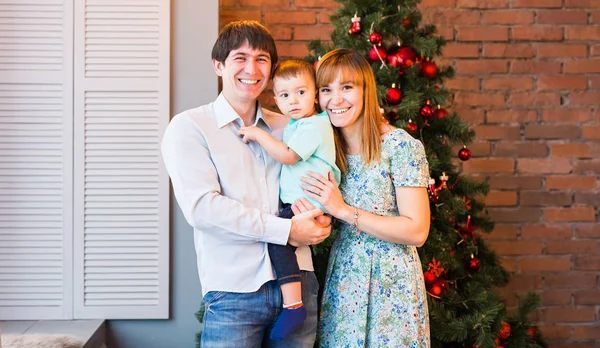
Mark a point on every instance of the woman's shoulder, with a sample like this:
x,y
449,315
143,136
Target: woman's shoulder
x,y
393,136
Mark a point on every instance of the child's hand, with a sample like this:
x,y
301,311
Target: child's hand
x,y
249,133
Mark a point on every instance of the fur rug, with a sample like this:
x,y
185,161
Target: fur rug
x,y
39,341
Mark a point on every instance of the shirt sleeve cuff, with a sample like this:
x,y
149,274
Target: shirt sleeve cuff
x,y
277,230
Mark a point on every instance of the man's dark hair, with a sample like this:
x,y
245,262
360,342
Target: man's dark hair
x,y
235,34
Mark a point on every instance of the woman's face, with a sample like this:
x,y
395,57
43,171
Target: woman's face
x,y
343,101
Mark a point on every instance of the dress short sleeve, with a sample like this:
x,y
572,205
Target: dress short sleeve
x,y
408,162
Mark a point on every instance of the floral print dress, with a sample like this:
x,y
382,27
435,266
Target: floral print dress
x,y
374,291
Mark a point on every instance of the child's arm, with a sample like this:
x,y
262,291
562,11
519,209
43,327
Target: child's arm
x,y
278,150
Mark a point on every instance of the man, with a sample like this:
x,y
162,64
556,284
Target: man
x,y
229,192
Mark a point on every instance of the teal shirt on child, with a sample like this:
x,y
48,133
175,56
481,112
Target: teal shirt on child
x,y
312,139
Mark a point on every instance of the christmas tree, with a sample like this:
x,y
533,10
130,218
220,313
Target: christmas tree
x,y
460,270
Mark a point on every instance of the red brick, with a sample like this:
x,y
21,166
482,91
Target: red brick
x,y
590,132
507,17
447,32
561,51
575,247
503,232
292,49
537,198
584,33
582,3
482,4
562,82
595,51
520,214
501,199
546,99
510,182
554,332
471,116
508,50
438,3
316,3
537,33
525,282
555,298
226,3
587,263
510,265
571,150
546,232
280,33
478,149
571,182
596,17
290,17
506,149
489,165
587,297
312,32
551,132
586,332
560,165
569,214
227,16
508,83
480,67
585,98
462,83
566,115
517,247
324,16
595,82
587,167
534,67
479,99
582,66
578,280
545,264
497,132
451,17
511,116
587,198
562,17
266,3
482,34
588,231
537,3
458,50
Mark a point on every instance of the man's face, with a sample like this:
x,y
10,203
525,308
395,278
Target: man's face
x,y
245,73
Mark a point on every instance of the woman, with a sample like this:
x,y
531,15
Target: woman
x,y
374,292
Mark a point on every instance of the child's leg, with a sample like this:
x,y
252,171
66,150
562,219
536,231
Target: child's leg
x,y
288,275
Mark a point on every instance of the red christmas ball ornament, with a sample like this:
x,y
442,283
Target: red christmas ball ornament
x,y
436,290
474,265
375,38
412,126
532,332
427,111
443,284
429,69
504,331
406,56
464,153
355,28
394,95
406,22
317,62
377,52
440,113
429,277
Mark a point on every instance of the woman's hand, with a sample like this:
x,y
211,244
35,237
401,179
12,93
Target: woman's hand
x,y
325,191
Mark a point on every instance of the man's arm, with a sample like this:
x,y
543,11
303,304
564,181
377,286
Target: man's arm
x,y
275,148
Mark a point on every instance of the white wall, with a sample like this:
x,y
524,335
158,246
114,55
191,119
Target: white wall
x,y
193,82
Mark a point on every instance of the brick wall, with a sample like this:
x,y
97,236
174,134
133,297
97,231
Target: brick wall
x,y
528,80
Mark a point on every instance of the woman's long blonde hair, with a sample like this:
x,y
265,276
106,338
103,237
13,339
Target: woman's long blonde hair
x,y
349,65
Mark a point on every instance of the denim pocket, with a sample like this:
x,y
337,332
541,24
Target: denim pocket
x,y
212,296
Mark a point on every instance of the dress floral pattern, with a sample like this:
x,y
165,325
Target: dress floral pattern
x,y
374,291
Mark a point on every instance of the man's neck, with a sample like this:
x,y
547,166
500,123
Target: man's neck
x,y
245,109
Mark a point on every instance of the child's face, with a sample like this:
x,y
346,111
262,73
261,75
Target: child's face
x,y
296,96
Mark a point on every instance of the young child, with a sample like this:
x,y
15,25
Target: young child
x,y
307,145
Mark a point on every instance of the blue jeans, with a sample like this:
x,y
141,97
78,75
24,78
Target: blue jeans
x,y
240,320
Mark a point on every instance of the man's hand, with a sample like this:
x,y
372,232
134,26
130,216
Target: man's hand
x,y
250,133
309,228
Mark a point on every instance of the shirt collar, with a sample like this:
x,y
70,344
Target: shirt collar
x,y
292,121
225,114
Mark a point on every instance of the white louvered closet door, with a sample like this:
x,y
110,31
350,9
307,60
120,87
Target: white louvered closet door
x,y
121,189
35,159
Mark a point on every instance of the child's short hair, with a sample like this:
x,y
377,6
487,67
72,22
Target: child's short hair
x,y
294,67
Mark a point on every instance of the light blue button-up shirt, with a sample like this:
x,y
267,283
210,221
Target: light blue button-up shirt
x,y
229,193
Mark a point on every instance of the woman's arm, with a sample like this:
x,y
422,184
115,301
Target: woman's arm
x,y
411,227
275,148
